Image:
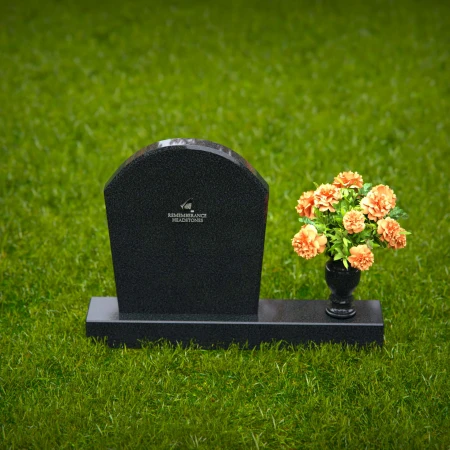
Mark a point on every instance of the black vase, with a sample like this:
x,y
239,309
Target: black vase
x,y
342,282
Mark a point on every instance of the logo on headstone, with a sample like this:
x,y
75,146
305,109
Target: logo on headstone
x,y
188,213
187,205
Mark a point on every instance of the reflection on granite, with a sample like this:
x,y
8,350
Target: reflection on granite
x,y
193,144
188,317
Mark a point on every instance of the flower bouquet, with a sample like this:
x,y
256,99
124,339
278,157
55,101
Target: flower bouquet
x,y
347,220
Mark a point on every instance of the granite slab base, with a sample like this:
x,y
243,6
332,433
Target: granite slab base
x,y
291,321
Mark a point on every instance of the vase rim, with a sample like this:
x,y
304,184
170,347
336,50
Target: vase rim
x,y
339,265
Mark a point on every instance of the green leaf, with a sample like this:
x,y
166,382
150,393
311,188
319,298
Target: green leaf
x,y
317,213
365,189
306,221
338,256
345,263
320,227
365,234
397,213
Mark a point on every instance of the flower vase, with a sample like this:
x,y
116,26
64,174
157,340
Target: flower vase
x,y
342,282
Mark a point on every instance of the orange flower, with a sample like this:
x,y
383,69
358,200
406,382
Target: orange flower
x,y
354,221
307,243
378,202
361,257
325,196
391,233
306,204
388,228
349,180
398,241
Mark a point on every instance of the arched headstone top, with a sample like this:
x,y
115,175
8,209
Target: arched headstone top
x,y
188,144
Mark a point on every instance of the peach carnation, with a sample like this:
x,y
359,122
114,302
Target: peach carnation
x,y
308,243
325,196
390,231
361,257
388,228
378,202
349,180
399,240
354,221
306,204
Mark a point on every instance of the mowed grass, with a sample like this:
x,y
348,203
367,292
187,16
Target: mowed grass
x,y
302,90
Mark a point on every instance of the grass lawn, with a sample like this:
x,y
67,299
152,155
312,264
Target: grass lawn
x,y
301,89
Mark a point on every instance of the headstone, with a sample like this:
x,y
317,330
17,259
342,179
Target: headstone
x,y
187,221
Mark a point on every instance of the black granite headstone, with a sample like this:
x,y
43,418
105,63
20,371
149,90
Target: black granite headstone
x,y
187,221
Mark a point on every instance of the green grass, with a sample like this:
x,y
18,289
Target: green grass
x,y
302,90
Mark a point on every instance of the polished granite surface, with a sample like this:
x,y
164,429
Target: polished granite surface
x,y
293,321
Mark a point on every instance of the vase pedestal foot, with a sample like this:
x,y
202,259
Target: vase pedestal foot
x,y
340,308
339,313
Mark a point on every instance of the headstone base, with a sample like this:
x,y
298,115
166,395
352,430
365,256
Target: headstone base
x,y
291,321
